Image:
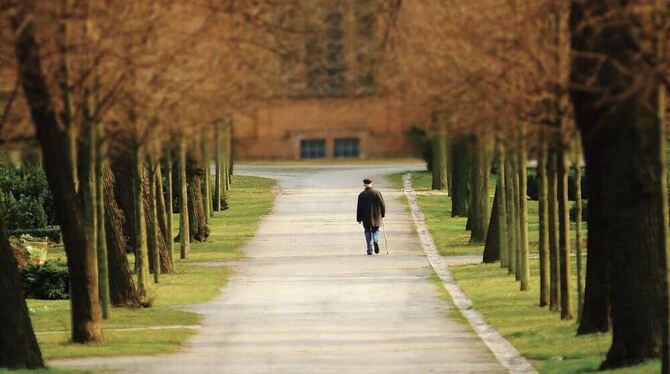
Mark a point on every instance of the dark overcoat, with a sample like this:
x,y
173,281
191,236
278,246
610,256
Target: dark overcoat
x,y
371,208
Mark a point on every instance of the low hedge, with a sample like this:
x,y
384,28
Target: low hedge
x,y
48,281
52,233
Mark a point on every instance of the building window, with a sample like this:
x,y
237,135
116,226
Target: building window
x,y
312,148
347,147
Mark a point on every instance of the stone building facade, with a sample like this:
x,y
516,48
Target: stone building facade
x,y
329,105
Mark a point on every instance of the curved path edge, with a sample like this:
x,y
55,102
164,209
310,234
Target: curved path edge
x,y
501,348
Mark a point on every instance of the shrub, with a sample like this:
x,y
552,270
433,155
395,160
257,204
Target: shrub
x,y
48,281
25,212
51,233
23,190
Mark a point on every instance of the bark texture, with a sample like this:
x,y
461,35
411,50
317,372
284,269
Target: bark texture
x,y
19,346
184,227
596,308
524,262
492,245
123,192
627,137
103,265
439,145
195,175
155,235
554,261
169,206
166,256
122,290
479,207
511,206
502,206
460,195
564,237
53,139
578,236
543,220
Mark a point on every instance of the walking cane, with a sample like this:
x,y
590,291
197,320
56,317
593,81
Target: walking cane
x,y
385,238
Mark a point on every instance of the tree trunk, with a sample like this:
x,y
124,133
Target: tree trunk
x,y
228,165
122,290
65,84
578,232
169,239
184,227
19,346
524,262
479,208
122,167
626,135
510,197
564,236
633,229
85,306
450,169
195,173
460,196
88,186
206,194
230,158
554,259
543,222
103,267
517,216
157,248
165,248
218,165
439,143
153,230
502,206
492,246
596,308
142,250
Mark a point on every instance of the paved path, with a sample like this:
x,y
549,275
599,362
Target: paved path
x,y
308,300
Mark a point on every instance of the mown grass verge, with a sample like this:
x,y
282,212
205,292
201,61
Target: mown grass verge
x,y
250,199
549,343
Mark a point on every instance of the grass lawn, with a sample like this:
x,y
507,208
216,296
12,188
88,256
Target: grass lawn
x,y
549,343
250,198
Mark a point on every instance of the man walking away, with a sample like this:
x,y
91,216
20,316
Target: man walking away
x,y
370,212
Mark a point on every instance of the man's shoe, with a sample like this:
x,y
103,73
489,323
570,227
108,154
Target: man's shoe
x,y
369,253
376,247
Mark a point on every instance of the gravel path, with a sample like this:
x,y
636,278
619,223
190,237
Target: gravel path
x,y
308,300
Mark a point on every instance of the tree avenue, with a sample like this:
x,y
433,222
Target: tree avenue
x,y
132,104
112,84
562,85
